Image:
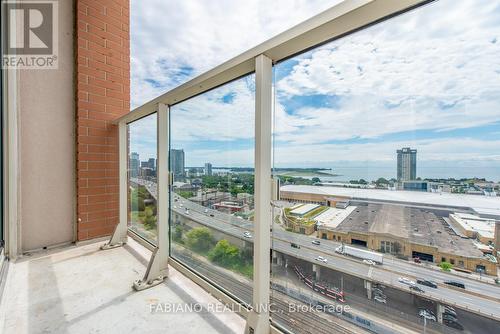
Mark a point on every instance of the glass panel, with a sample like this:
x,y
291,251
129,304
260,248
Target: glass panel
x,y
212,159
387,144
142,190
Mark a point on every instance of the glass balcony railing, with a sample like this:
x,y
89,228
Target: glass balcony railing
x,y
142,192
384,145
385,140
211,202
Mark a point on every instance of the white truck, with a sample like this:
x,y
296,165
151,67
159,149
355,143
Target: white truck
x,y
361,253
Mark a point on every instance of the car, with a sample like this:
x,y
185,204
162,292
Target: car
x,y
427,315
206,210
453,324
417,260
294,245
450,312
247,234
380,299
377,290
321,259
406,281
449,317
369,262
380,295
449,308
211,215
416,288
316,242
428,283
455,283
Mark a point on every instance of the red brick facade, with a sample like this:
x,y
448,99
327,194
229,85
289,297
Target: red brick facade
x,y
103,94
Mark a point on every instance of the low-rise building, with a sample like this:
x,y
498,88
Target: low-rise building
x,y
474,227
406,232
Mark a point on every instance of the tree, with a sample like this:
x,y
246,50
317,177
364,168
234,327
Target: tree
x,y
149,218
382,180
445,266
136,200
185,194
225,254
177,236
316,179
199,239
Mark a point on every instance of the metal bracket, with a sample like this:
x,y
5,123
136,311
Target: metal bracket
x,y
153,275
257,323
116,240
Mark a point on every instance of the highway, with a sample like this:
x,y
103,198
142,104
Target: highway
x,y
298,322
387,274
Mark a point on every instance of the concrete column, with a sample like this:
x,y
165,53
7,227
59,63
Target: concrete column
x,y
368,286
439,312
316,272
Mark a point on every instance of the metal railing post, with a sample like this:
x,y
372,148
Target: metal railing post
x,y
119,236
157,270
258,319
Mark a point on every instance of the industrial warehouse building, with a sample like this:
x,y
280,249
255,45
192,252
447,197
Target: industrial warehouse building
x,y
405,229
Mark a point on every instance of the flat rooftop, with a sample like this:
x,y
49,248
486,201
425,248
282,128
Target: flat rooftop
x,y
416,225
484,227
332,217
486,205
303,209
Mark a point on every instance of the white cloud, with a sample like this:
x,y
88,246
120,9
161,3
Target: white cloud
x,y
393,77
169,35
216,120
437,68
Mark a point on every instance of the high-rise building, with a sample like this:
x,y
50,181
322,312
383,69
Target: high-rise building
x,y
177,162
208,168
152,163
134,164
407,164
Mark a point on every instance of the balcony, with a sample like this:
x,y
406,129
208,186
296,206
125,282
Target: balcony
x,y
82,289
340,177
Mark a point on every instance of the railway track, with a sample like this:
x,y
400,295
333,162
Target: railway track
x,y
300,322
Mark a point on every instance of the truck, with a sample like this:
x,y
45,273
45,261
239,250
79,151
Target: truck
x,y
360,253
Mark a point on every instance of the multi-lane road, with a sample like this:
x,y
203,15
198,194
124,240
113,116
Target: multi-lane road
x,y
483,300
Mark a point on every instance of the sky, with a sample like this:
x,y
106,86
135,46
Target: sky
x,y
428,79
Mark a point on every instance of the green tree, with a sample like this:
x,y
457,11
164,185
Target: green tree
x,y
382,180
177,235
136,200
149,218
185,194
445,266
199,239
316,179
225,254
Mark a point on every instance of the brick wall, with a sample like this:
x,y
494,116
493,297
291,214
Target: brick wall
x,y
103,94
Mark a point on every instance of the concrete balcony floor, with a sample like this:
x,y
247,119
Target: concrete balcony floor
x,y
81,289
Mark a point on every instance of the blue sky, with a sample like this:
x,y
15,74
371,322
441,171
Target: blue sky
x,y
429,79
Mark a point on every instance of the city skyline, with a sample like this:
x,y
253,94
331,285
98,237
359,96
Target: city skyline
x,y
451,121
